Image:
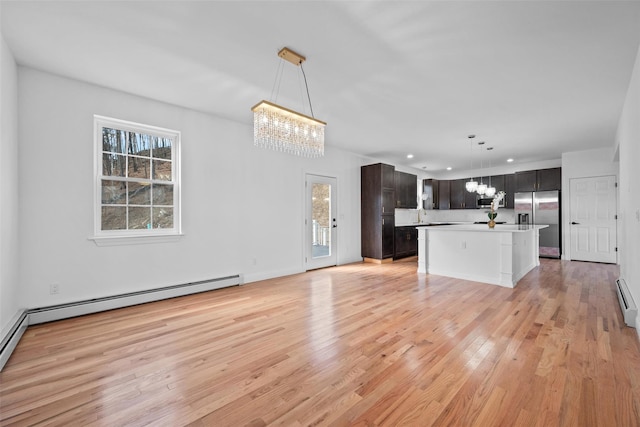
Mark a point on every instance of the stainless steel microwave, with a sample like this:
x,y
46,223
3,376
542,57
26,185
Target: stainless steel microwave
x,y
485,202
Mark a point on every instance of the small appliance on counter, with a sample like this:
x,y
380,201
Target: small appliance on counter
x,y
538,208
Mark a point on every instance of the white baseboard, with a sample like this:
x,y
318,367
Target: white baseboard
x,y
13,332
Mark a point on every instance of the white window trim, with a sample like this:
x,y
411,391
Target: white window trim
x,y
128,237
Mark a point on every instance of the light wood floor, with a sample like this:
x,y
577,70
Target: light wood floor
x,y
360,344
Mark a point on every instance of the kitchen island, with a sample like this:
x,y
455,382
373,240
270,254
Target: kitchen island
x,y
500,255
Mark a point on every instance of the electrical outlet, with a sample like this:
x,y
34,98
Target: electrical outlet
x,y
463,245
54,289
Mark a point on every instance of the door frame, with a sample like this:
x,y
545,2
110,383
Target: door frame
x,y
307,259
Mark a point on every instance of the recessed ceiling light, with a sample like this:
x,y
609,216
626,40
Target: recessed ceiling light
x,y
448,168
509,160
409,156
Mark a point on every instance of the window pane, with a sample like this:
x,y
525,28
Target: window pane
x,y
114,192
114,165
113,140
114,218
162,170
139,167
139,218
140,144
139,193
162,217
162,194
162,148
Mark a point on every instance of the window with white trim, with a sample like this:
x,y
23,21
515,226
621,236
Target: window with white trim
x,y
137,188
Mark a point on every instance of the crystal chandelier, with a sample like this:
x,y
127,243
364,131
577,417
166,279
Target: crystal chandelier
x,y
286,130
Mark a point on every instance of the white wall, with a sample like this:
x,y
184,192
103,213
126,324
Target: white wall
x,y
628,142
582,164
9,305
239,202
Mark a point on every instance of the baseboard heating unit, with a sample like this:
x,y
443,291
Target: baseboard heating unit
x,y
63,311
627,305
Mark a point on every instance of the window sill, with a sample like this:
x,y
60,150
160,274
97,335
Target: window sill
x,y
134,240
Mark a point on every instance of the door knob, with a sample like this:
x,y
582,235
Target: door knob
x,y
575,223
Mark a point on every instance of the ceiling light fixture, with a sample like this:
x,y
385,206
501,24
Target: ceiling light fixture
x,y
509,160
471,185
491,190
409,156
281,129
482,187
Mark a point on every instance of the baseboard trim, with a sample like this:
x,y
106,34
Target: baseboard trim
x,y
63,311
12,338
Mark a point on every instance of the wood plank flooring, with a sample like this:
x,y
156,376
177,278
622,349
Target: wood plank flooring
x,y
359,344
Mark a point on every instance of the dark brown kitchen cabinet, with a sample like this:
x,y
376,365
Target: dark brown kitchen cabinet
x,y
495,181
387,241
539,180
406,242
377,210
549,179
459,197
444,194
436,192
510,189
526,181
406,186
430,194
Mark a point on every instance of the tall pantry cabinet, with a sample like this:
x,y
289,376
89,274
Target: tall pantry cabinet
x,y
377,211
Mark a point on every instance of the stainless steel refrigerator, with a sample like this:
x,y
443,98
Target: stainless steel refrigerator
x,y
541,207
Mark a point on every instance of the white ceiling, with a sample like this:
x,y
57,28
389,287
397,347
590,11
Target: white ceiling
x,y
531,78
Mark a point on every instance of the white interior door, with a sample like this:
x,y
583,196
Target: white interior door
x,y
593,219
321,222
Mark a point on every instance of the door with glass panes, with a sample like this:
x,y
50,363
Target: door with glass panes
x,y
320,222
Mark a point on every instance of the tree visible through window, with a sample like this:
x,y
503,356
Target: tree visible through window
x,y
137,180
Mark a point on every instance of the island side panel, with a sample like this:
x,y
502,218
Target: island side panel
x,y
525,253
465,255
422,250
507,260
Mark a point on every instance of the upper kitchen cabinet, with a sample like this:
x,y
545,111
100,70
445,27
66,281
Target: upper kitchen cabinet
x,y
444,194
496,181
406,188
435,194
539,180
377,209
549,179
459,197
429,194
509,189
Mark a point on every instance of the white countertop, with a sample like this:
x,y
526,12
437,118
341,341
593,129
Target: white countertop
x,y
428,223
507,228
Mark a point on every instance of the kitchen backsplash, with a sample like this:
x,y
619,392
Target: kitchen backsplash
x,y
410,216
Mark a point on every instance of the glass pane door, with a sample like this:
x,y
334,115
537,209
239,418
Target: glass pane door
x,y
321,222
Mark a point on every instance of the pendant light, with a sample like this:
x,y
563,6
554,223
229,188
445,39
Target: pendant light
x,y
482,187
491,190
471,185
